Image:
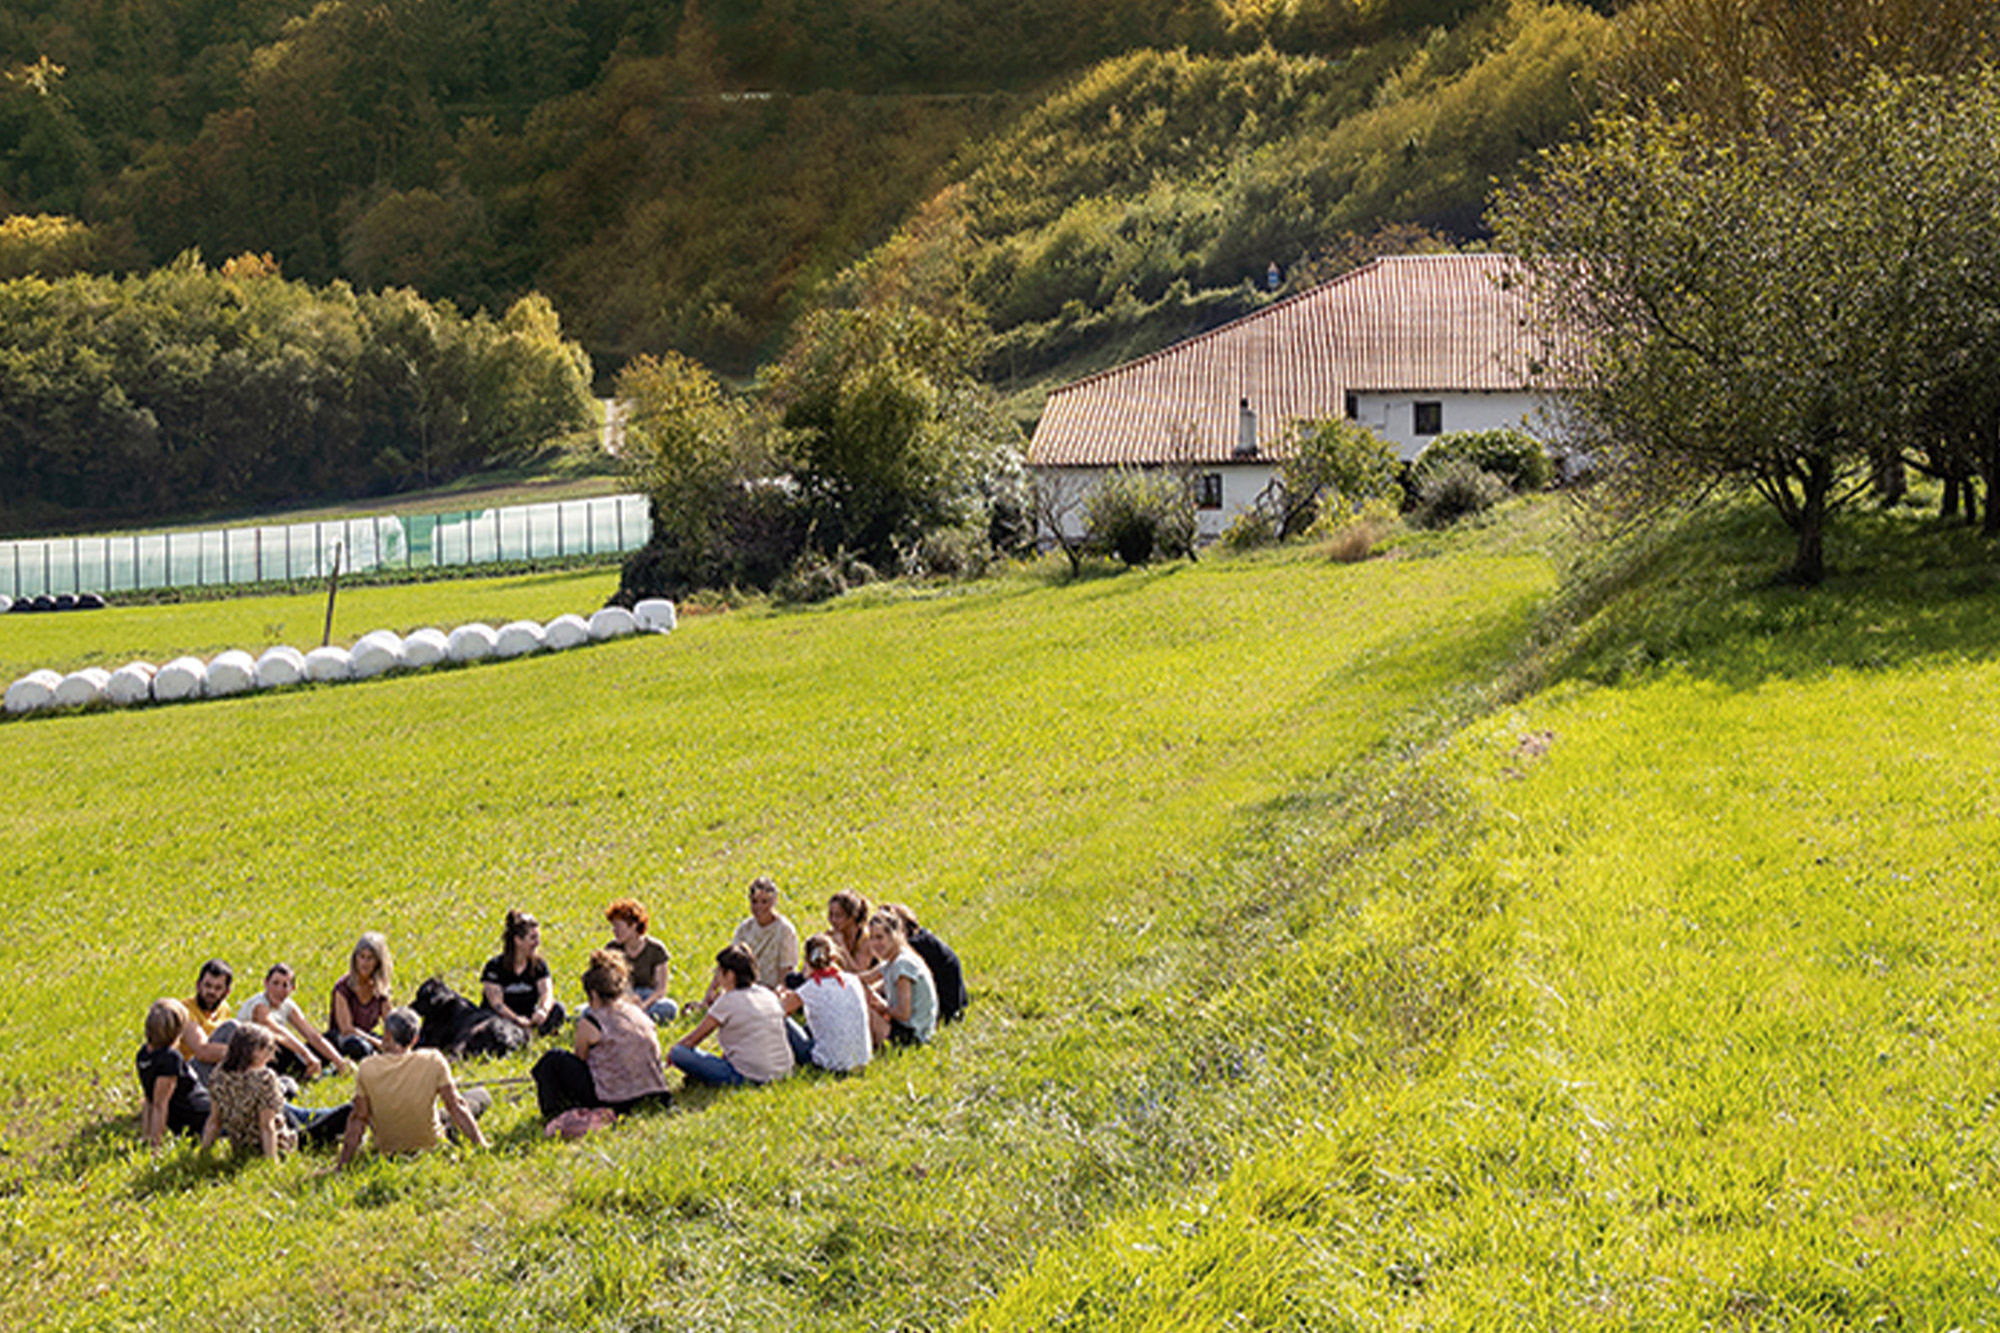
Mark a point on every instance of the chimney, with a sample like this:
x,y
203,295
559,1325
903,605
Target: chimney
x,y
1246,430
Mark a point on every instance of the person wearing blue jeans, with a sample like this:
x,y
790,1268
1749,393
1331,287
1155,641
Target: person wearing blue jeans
x,y
748,1021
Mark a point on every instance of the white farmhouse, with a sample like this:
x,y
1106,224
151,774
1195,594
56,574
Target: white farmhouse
x,y
1413,346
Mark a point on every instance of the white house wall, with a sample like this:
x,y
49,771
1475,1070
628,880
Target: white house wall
x,y
1242,483
1393,416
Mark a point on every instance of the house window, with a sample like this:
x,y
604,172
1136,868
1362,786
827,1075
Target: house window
x,y
1209,494
1353,407
1430,419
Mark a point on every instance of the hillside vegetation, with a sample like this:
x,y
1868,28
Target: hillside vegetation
x,y
1352,944
688,177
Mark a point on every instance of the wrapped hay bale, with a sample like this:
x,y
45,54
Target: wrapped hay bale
x,y
470,643
425,648
328,665
376,652
230,672
32,692
518,638
613,622
82,687
655,613
130,684
182,678
566,632
280,666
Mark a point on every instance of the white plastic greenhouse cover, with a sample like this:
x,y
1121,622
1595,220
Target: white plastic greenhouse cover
x,y
81,687
179,679
230,672
566,631
375,653
655,613
425,648
130,684
280,665
518,638
32,692
328,664
613,622
469,643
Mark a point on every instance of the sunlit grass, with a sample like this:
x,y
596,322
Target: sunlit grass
x,y
1091,789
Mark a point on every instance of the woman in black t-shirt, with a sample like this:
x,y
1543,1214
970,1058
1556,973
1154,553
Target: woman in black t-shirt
x,y
516,982
171,1100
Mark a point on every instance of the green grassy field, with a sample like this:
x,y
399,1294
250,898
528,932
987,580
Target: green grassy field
x,y
1399,944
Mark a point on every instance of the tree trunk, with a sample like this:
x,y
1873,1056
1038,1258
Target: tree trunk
x,y
1948,502
1809,566
1989,469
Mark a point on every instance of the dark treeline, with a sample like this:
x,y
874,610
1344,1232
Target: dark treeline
x,y
193,389
672,175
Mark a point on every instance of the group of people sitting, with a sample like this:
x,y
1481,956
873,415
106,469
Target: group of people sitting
x,y
874,977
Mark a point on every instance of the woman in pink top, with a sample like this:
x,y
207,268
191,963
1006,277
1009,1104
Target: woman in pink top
x,y
750,1022
616,1060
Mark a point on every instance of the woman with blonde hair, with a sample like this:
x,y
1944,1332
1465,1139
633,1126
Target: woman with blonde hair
x,y
908,998
171,1099
361,997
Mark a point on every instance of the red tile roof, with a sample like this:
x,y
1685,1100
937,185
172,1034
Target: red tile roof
x,y
1410,323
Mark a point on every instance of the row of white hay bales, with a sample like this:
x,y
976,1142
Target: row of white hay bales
x,y
236,672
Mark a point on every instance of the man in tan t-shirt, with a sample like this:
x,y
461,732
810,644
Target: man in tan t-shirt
x,y
397,1093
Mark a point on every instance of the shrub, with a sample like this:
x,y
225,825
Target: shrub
x,y
1134,515
1514,456
946,553
1351,538
1250,529
1451,489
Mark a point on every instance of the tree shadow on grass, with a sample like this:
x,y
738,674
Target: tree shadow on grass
x,y
1707,598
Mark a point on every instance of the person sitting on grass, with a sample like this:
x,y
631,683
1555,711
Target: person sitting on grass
x,y
770,937
644,955
908,1000
205,1039
247,1104
952,997
515,982
360,997
748,1020
301,1049
616,1060
847,915
836,1036
399,1090
171,1099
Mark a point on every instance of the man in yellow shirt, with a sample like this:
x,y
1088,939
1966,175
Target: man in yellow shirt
x,y
399,1090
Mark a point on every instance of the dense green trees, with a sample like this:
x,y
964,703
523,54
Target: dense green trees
x,y
686,175
191,388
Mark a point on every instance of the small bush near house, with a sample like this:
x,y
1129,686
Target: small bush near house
x,y
821,578
1514,456
1250,529
1353,538
946,553
1136,515
1451,489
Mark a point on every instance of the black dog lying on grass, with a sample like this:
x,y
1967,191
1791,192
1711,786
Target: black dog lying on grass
x,y
458,1027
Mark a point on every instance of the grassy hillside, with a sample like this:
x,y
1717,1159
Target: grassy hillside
x,y
1079,785
1724,915
1354,946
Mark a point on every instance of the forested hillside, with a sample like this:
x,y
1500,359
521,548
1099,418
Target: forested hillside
x,y
688,176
